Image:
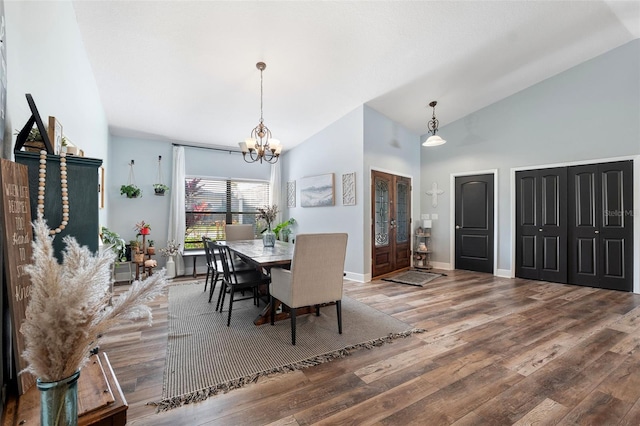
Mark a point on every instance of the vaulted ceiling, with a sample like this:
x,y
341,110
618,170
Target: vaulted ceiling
x,y
185,70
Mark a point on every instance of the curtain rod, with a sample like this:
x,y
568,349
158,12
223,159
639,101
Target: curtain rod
x,y
230,151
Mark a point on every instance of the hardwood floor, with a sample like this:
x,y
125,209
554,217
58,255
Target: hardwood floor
x,y
496,351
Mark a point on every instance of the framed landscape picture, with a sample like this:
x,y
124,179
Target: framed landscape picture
x,y
317,191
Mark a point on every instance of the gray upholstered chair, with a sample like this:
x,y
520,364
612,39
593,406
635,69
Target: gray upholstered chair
x,y
315,278
239,232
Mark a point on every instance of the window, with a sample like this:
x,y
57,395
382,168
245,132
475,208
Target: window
x,y
212,203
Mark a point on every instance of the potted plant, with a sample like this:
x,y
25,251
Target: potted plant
x,y
34,142
151,250
283,228
117,244
142,228
160,188
131,191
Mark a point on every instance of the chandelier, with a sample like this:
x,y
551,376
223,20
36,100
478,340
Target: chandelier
x,y
260,145
433,140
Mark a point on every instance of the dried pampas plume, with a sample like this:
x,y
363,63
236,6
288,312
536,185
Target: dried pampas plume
x,y
69,307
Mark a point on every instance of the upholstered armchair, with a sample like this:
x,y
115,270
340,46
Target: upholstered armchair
x,y
315,278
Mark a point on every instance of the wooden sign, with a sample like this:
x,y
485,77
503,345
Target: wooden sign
x,y
18,234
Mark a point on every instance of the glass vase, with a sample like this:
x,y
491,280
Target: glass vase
x,y
59,401
269,238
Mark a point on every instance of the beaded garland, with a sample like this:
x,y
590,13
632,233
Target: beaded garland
x,y
42,177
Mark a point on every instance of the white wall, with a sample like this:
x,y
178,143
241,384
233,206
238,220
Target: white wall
x,y
359,142
589,112
336,149
46,57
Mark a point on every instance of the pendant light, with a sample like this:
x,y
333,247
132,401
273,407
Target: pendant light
x,y
433,140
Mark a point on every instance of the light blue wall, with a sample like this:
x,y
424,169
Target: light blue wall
x,y
337,149
126,212
388,147
46,57
589,112
359,142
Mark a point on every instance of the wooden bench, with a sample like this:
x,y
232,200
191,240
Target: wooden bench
x,y
100,399
193,254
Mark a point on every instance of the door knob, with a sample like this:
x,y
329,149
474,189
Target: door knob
x,y
457,226
597,232
540,229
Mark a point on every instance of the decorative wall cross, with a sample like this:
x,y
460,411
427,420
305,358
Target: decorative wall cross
x,y
434,192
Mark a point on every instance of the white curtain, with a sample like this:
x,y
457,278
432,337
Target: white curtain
x,y
177,220
275,190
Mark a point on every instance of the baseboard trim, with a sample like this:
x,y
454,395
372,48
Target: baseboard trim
x,y
442,265
503,273
361,278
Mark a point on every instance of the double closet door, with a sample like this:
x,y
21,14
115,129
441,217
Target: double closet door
x,y
574,225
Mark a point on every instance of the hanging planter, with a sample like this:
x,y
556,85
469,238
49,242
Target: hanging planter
x,y
159,187
130,189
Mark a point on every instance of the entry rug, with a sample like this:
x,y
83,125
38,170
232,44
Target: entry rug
x,y
417,278
205,357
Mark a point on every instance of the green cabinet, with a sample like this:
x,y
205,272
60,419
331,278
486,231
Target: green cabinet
x,y
82,186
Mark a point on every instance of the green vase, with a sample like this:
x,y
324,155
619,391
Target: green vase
x,y
59,401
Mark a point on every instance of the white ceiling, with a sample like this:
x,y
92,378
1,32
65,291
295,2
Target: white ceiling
x,y
185,70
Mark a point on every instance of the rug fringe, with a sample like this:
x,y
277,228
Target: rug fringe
x,y
202,394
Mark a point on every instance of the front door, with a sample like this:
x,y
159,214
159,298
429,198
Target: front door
x,y
474,223
390,222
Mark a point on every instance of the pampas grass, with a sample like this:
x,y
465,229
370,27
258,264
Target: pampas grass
x,y
69,307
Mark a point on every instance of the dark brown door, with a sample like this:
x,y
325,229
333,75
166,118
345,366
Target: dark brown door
x,y
474,223
541,224
601,225
391,222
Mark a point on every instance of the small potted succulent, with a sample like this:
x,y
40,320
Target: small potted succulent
x,y
131,191
160,188
151,250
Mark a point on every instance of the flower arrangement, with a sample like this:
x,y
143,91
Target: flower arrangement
x,y
69,308
267,214
171,249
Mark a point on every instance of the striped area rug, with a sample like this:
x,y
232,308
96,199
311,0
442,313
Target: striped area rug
x,y
205,357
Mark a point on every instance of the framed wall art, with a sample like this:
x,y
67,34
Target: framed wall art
x,y
291,194
317,191
55,135
349,189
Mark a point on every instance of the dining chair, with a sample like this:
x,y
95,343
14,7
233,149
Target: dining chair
x,y
239,232
315,277
207,255
237,281
214,266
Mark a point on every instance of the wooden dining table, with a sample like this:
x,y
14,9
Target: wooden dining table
x,y
254,252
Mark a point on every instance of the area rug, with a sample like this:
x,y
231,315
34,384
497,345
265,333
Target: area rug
x,y
205,357
418,278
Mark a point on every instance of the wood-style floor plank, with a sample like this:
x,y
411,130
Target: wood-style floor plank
x,y
495,351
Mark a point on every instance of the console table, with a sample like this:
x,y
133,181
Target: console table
x,y
100,399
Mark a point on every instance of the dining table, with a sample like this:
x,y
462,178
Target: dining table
x,y
280,255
